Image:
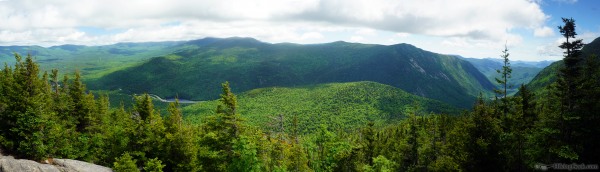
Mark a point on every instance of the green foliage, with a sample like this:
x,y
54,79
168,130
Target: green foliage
x,y
25,107
545,78
474,142
380,164
505,74
220,132
251,64
92,61
153,165
181,150
125,163
522,71
560,121
340,106
246,155
356,126
549,74
563,132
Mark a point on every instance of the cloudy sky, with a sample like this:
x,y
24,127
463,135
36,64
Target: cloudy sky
x,y
471,28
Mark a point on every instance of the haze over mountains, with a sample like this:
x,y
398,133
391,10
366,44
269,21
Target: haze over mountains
x,y
522,71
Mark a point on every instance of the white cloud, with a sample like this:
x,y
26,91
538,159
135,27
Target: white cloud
x,y
484,19
366,31
543,32
465,26
357,38
402,35
311,35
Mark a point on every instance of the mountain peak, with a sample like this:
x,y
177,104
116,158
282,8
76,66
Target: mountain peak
x,y
213,40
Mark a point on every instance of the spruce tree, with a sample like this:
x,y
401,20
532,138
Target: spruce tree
x,y
220,132
125,163
505,74
25,106
555,137
590,108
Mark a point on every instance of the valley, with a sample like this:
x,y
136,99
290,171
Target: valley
x,y
339,103
193,69
299,85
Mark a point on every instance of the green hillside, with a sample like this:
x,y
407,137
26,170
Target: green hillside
x,y
339,105
91,61
521,73
198,67
548,75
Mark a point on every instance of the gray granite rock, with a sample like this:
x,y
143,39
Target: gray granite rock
x,y
10,164
79,166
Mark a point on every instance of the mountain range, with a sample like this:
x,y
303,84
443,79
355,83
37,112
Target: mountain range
x,y
522,71
195,70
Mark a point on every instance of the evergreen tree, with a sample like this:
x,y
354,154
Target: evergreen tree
x,y
125,163
474,142
220,131
527,105
82,108
505,74
153,165
150,132
228,109
298,157
380,164
25,107
557,134
590,106
181,150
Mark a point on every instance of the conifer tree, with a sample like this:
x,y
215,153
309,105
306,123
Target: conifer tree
x,y
125,163
505,74
590,106
82,105
153,165
298,155
527,106
151,131
25,108
228,109
181,150
220,131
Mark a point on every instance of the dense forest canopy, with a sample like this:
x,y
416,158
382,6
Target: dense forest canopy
x,y
43,116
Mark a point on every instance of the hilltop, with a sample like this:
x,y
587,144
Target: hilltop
x,y
339,105
196,68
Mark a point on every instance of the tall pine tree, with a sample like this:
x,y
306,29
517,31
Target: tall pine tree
x,y
505,74
556,135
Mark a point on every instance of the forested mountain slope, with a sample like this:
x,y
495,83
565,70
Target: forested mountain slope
x,y
548,75
197,68
522,72
338,105
91,61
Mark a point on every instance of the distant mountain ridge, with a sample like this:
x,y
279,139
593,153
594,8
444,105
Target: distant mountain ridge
x,y
522,71
91,61
197,68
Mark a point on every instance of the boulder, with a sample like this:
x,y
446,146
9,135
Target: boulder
x,y
79,166
10,164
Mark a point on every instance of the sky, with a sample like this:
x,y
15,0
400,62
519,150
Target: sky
x,y
470,28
